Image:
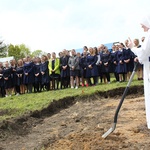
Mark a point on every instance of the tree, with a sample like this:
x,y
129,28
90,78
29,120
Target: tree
x,y
25,51
37,53
3,49
18,51
14,51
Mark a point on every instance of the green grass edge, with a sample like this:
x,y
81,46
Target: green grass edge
x,y
15,106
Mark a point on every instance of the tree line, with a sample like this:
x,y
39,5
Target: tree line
x,y
17,51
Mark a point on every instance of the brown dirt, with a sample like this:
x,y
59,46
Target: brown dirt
x,y
78,123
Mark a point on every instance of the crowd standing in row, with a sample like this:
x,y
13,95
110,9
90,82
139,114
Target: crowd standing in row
x,y
70,69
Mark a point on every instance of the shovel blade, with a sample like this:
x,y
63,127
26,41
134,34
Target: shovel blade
x,y
109,131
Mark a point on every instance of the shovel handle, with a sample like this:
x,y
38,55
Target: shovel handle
x,y
125,92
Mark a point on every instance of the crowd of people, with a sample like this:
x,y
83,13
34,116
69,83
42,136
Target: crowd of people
x,y
70,70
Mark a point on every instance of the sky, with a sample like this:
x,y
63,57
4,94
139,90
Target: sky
x,y
54,25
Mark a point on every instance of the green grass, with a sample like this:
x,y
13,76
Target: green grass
x,y
20,105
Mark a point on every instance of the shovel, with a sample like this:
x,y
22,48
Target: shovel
x,y
120,103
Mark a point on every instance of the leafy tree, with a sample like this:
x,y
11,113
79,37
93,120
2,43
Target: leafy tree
x,y
3,49
14,51
18,51
37,53
25,51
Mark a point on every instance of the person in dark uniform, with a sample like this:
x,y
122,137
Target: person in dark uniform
x,y
28,74
7,79
2,90
113,64
13,75
105,64
45,82
129,60
121,65
83,65
20,87
64,70
37,75
92,71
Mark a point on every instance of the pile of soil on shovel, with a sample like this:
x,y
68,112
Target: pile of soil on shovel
x,y
79,123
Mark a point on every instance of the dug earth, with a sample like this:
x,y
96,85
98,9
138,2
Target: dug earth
x,y
81,124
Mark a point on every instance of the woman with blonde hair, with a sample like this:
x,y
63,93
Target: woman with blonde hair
x,y
140,66
128,60
92,71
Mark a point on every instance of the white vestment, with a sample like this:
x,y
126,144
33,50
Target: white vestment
x,y
143,54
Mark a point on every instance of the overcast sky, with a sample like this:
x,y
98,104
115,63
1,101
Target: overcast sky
x,y
52,25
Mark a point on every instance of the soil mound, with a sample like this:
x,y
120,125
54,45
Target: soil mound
x,y
76,123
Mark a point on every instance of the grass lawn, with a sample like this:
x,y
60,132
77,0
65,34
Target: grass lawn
x,y
15,106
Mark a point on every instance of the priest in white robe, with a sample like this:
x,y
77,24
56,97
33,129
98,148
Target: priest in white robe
x,y
143,56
